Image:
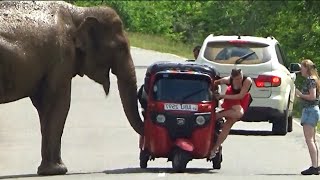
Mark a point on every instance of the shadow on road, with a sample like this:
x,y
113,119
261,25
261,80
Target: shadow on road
x,y
36,175
157,170
251,132
284,174
19,176
141,67
121,171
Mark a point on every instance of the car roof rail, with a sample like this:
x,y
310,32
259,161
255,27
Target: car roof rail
x,y
270,37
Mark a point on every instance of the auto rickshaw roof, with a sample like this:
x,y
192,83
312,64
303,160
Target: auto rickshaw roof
x,y
182,67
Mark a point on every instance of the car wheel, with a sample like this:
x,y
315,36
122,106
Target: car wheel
x,y
290,124
280,126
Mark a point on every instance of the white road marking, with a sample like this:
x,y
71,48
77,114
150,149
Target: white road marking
x,y
161,174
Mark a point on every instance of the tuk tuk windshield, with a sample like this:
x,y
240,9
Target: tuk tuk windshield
x,y
182,90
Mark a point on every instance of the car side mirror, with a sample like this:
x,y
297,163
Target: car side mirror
x,y
293,76
294,67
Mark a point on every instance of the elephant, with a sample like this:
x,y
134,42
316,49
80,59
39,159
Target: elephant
x,y
43,45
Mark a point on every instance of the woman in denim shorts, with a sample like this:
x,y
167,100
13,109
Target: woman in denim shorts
x,y
309,96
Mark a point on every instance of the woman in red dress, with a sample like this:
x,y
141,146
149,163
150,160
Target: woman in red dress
x,y
236,101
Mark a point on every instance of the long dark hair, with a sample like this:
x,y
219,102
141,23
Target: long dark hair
x,y
236,72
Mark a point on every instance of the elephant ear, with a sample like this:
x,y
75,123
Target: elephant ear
x,y
85,40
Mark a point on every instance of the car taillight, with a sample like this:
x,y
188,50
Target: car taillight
x,y
267,81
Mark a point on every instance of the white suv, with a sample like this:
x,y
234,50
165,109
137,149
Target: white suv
x,y
263,60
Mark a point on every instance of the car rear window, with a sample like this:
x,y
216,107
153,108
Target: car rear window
x,y
229,52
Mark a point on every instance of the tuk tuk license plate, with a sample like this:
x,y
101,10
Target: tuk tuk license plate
x,y
180,107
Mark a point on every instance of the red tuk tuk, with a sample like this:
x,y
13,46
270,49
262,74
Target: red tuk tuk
x,y
179,114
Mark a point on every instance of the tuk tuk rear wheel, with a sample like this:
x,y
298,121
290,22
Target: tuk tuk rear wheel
x,y
216,161
144,158
180,161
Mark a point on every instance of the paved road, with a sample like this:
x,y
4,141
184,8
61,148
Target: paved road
x,y
98,142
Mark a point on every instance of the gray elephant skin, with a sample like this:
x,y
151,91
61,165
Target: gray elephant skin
x,y
43,45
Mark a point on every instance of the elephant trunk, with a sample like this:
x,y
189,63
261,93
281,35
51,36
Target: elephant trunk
x,y
127,85
128,95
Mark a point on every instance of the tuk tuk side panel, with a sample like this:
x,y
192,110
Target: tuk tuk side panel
x,y
157,140
203,138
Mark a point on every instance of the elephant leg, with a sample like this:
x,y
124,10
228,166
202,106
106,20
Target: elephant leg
x,y
53,107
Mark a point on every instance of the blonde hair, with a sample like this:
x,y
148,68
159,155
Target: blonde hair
x,y
312,71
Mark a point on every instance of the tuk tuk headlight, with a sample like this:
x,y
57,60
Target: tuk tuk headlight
x,y
160,118
200,120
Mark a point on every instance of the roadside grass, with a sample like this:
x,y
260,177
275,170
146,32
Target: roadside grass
x,y
162,44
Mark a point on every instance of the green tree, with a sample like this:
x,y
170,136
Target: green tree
x,y
295,24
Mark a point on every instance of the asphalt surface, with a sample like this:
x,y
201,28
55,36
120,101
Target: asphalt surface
x,y
98,142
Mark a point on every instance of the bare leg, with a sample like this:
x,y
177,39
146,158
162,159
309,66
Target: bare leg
x,y
236,112
232,115
316,145
224,133
309,134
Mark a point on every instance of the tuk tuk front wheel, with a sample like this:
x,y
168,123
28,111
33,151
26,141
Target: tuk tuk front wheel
x,y
144,158
180,160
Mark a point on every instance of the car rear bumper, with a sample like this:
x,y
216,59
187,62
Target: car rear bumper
x,y
267,109
257,114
